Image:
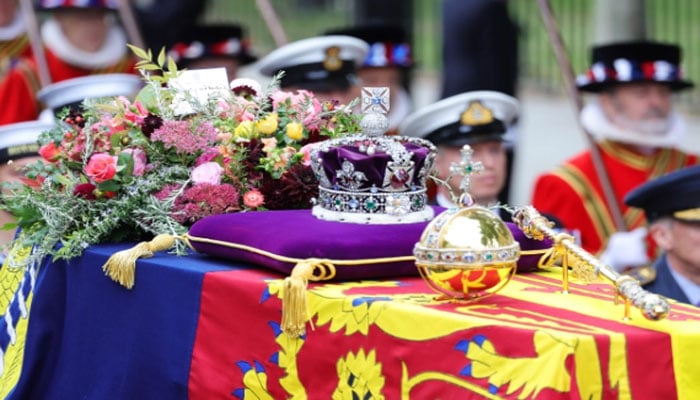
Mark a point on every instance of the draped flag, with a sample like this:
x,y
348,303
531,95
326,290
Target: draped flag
x,y
391,339
196,327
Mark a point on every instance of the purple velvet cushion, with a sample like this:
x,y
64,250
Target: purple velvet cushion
x,y
298,234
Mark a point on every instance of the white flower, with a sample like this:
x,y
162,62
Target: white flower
x,y
209,172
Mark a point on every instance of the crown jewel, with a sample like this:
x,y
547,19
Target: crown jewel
x,y
371,178
466,252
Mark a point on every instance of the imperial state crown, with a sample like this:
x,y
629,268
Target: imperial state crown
x,y
370,178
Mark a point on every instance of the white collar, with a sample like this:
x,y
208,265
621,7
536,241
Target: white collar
x,y
597,124
111,52
14,30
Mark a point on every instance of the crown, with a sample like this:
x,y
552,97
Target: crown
x,y
374,179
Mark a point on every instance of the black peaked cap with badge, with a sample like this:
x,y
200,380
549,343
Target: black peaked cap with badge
x,y
20,140
321,63
466,118
676,195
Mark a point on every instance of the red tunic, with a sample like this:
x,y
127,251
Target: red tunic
x,y
20,85
573,193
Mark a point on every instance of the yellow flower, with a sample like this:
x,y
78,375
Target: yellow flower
x,y
244,130
267,125
295,131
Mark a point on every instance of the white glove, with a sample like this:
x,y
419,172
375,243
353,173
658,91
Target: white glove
x,y
626,249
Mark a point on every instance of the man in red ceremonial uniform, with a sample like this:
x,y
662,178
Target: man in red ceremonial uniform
x,y
637,134
80,39
14,41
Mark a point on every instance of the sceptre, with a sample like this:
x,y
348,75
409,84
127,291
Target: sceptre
x,y
534,225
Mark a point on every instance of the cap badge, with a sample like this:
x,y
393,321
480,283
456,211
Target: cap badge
x,y
476,114
332,62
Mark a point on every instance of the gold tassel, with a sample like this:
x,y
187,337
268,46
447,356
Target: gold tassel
x,y
294,306
121,266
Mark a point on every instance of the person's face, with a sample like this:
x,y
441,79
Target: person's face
x,y
13,171
681,242
380,76
485,185
8,9
86,29
231,65
643,107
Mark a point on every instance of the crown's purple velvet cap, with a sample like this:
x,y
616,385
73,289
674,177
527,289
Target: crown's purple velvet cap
x,y
373,166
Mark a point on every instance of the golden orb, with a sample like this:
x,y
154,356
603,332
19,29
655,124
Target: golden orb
x,y
467,253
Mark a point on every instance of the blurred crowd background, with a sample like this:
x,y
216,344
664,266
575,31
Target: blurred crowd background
x,y
673,21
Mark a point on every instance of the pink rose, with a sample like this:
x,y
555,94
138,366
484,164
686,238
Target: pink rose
x,y
101,167
139,157
209,172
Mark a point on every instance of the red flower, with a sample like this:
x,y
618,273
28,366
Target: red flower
x,y
253,199
50,152
86,191
32,183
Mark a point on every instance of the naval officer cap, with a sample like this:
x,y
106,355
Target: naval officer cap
x,y
466,118
675,195
322,63
21,139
